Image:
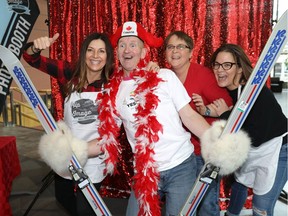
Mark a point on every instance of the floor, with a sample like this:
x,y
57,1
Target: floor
x,y
28,185
32,179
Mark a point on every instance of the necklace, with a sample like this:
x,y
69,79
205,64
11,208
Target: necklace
x,y
146,177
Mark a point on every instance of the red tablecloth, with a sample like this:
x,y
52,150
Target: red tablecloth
x,y
9,169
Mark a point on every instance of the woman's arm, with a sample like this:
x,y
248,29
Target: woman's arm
x,y
61,70
205,110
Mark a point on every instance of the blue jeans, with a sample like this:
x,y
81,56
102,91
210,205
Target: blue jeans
x,y
210,202
175,184
261,203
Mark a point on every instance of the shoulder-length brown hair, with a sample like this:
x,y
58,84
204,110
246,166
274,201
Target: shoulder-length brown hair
x,y
79,76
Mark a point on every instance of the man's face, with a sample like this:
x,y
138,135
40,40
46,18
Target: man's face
x,y
129,51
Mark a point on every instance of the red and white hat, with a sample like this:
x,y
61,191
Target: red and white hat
x,y
135,29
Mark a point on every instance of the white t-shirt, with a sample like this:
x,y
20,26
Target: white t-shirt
x,y
174,144
81,116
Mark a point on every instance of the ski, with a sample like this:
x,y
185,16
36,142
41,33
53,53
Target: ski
x,y
22,79
268,57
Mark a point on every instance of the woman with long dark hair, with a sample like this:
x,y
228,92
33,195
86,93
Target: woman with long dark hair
x,y
81,85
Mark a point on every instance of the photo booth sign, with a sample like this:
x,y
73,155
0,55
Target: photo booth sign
x,y
17,21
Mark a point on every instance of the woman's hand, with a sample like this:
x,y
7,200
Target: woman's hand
x,y
198,101
220,106
153,66
43,43
94,149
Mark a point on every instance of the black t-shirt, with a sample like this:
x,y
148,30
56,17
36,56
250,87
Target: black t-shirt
x,y
265,119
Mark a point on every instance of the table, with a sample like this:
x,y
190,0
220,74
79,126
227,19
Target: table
x,y
9,169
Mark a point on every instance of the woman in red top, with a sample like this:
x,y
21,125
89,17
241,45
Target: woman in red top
x,y
197,80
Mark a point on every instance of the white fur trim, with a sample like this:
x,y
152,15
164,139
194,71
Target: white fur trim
x,y
62,126
228,152
56,149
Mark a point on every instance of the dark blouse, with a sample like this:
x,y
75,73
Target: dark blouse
x,y
265,120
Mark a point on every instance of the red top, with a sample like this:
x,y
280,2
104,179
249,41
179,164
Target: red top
x,y
201,80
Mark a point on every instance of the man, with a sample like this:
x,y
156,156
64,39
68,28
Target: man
x,y
152,107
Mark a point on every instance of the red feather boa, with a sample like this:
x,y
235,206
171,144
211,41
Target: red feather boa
x,y
146,176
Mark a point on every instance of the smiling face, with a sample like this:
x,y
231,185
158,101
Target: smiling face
x,y
227,78
177,53
96,57
129,51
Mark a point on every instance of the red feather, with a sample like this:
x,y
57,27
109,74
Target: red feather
x,y
146,176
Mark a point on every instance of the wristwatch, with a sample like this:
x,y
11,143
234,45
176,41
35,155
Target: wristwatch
x,y
207,112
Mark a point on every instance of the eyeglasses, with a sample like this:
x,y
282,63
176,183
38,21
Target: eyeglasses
x,y
225,65
178,47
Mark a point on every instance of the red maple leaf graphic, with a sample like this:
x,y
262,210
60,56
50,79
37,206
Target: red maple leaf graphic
x,y
128,28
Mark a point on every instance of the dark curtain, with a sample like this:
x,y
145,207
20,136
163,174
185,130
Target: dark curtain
x,y
209,22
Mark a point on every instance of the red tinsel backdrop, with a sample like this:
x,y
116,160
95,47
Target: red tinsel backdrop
x,y
210,23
